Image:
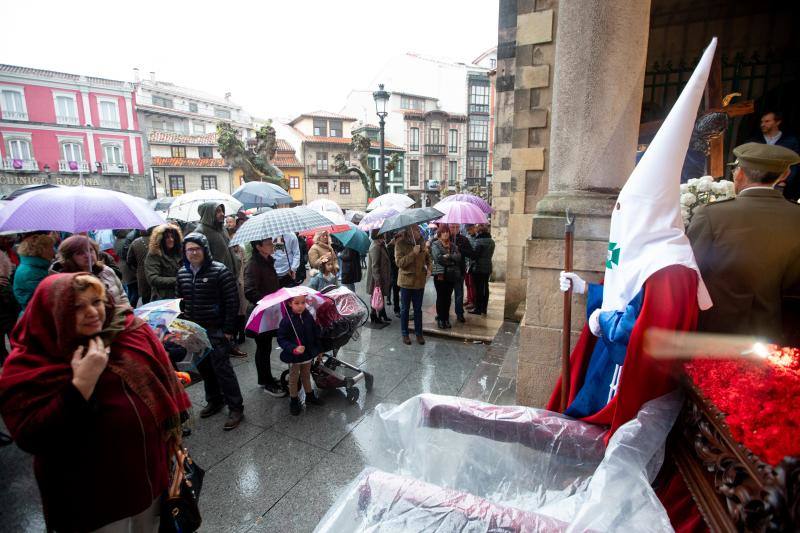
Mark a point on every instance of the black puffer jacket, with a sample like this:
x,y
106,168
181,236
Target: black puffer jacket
x,y
210,297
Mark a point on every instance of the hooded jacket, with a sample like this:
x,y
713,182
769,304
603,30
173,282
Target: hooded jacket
x,y
484,250
161,267
135,258
217,236
210,296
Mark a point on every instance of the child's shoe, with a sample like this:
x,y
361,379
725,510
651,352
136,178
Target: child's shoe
x,y
313,399
294,406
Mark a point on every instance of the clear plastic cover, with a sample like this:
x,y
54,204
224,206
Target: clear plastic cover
x,y
450,464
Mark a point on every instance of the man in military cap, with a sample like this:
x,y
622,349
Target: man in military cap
x,y
748,248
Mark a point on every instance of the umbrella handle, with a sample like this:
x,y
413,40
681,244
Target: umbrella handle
x,y
289,316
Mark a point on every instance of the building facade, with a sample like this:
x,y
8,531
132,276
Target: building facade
x,y
292,168
68,129
186,163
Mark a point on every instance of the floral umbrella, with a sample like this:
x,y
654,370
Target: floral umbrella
x,y
269,311
374,219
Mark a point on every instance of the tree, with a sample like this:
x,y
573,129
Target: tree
x,y
255,161
360,146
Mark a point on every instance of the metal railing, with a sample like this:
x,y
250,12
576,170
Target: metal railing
x,y
114,168
436,149
312,170
15,115
479,108
73,167
479,146
67,119
114,124
11,164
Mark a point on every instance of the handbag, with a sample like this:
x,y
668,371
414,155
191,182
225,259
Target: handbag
x,y
180,514
377,299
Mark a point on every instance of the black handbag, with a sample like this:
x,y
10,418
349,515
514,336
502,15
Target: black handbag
x,y
180,514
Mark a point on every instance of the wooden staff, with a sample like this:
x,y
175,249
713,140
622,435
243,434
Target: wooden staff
x,y
569,232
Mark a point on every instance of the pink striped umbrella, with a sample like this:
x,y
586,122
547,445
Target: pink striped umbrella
x,y
460,213
267,314
469,198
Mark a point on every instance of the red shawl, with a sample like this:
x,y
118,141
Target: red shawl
x,y
44,340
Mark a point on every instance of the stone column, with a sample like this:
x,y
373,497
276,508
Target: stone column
x,y
600,53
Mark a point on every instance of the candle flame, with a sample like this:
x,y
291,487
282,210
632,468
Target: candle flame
x,y
761,350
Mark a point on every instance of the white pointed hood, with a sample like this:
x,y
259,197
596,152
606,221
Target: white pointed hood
x,y
647,232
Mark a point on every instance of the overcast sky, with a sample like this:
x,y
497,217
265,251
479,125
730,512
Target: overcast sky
x,y
277,58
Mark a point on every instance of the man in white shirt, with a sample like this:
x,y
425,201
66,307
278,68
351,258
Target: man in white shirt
x,y
287,259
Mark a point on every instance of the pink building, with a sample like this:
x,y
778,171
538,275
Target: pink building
x,y
60,127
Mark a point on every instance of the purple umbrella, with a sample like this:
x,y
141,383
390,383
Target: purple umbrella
x,y
460,213
77,209
469,198
374,219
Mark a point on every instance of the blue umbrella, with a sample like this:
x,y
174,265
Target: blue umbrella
x,y
355,239
260,194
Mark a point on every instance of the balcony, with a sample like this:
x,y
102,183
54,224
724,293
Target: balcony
x,y
69,120
478,146
482,109
15,115
433,185
313,170
476,182
73,167
435,149
20,165
115,168
114,124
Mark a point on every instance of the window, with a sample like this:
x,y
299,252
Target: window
x,y
413,140
322,187
109,114
435,169
409,102
479,98
476,167
198,128
206,152
322,162
178,151
162,102
344,187
66,109
72,151
208,182
177,185
320,127
452,173
294,182
112,153
20,149
433,136
453,141
492,63
192,107
222,113
169,125
13,104
336,128
478,133
414,173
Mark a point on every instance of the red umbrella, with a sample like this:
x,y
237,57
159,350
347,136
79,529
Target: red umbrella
x,y
335,228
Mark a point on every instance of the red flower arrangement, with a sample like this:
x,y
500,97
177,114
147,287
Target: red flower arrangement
x,y
761,400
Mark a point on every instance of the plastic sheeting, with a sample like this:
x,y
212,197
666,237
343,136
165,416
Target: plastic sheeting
x,y
450,464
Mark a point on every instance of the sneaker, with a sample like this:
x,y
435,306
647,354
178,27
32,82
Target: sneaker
x,y
211,409
420,339
313,399
294,406
406,340
233,421
275,390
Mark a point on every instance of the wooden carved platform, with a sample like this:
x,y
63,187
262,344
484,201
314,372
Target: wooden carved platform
x,y
733,488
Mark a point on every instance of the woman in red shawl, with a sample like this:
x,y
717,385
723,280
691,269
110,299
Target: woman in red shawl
x,y
89,391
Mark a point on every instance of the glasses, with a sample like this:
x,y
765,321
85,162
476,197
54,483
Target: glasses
x,y
193,250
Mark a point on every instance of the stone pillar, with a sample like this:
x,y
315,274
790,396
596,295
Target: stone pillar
x,y
600,52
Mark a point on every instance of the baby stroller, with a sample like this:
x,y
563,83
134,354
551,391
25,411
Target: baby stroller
x,y
340,318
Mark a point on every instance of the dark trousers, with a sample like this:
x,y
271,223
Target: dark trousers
x,y
481,282
219,379
411,297
458,296
287,281
132,292
263,351
444,296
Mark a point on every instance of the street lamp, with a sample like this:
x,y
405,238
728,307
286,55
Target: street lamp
x,y
381,101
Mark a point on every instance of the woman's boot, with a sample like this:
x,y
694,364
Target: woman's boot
x,y
383,316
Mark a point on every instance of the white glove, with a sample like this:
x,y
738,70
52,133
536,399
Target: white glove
x,y
594,323
565,279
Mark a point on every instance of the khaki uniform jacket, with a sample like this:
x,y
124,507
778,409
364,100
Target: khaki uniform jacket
x,y
412,268
748,251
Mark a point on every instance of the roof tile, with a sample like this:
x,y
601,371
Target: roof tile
x,y
166,137
188,163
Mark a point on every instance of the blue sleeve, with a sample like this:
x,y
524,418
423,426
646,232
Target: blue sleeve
x,y
617,327
295,249
594,298
286,337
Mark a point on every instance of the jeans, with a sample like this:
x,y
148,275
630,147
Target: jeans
x,y
481,291
458,296
411,296
219,379
444,295
132,292
263,351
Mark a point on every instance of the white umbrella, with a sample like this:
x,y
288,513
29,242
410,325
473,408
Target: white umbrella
x,y
323,205
391,199
335,218
185,206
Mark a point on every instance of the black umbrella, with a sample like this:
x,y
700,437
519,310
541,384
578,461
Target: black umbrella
x,y
410,217
26,189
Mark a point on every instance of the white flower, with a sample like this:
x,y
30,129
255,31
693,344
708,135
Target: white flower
x,y
692,182
730,186
707,179
688,199
703,186
684,187
719,188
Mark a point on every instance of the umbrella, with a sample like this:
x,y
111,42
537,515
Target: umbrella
x,y
374,219
261,193
267,314
185,206
192,337
161,204
410,217
355,239
278,222
321,205
338,228
469,198
354,216
159,313
26,189
391,199
460,213
77,209
336,218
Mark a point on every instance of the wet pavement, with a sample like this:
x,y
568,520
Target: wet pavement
x,y
280,472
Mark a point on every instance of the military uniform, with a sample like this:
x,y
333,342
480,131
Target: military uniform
x,y
748,251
